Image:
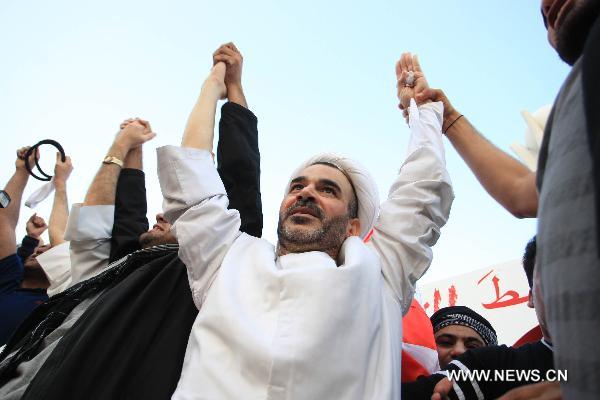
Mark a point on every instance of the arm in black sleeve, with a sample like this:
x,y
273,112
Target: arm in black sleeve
x,y
28,245
130,213
494,371
239,165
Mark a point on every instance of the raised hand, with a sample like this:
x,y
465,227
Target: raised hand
x,y
35,226
442,389
408,66
134,133
231,56
20,162
62,170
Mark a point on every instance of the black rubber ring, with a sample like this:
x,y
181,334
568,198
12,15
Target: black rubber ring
x,y
33,148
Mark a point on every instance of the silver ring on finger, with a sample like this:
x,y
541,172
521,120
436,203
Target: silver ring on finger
x,y
410,80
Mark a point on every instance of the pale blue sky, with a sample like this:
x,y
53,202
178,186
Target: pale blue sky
x,y
319,76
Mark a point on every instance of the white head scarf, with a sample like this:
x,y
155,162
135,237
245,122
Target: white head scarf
x,y
364,185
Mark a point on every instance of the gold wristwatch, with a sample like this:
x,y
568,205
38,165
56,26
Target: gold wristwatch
x,y
112,160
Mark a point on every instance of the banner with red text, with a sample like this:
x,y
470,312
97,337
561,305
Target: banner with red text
x,y
499,293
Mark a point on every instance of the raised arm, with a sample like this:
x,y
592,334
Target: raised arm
x,y
231,56
90,224
35,227
238,155
508,181
419,200
130,205
60,209
194,198
199,130
103,188
9,216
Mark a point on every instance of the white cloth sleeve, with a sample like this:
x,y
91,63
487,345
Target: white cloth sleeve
x,y
41,194
89,229
418,205
195,202
56,263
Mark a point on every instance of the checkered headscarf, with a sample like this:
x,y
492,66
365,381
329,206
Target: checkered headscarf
x,y
461,315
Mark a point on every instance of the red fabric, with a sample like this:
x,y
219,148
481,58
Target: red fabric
x,y
411,368
417,330
534,335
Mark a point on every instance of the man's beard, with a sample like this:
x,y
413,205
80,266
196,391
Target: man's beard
x,y
572,35
151,238
328,237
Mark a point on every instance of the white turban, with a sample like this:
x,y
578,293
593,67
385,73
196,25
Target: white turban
x,y
364,185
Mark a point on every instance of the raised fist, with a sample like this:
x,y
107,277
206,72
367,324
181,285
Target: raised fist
x,y
35,226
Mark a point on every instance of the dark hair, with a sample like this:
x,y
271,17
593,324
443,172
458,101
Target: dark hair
x,y
353,203
529,260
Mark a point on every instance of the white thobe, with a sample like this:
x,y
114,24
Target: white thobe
x,y
86,252
302,326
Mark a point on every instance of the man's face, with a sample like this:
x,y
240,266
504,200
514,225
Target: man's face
x,y
31,261
568,23
159,234
314,215
453,340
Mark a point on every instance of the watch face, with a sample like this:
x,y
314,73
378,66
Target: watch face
x,y
4,199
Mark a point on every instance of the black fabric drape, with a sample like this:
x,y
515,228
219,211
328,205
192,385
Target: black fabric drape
x,y
44,319
129,344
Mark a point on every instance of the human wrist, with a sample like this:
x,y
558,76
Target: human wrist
x,y
119,148
133,159
235,94
33,235
234,86
60,183
31,239
211,90
135,151
422,102
451,122
22,175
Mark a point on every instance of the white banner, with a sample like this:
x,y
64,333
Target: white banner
x,y
499,293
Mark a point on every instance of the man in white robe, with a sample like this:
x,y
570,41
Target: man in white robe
x,y
319,315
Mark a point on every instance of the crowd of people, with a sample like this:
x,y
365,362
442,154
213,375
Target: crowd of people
x,y
198,306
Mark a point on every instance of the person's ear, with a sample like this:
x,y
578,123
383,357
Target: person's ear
x,y
530,300
353,227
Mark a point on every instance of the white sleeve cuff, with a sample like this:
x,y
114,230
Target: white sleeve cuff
x,y
90,222
425,124
56,263
187,177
